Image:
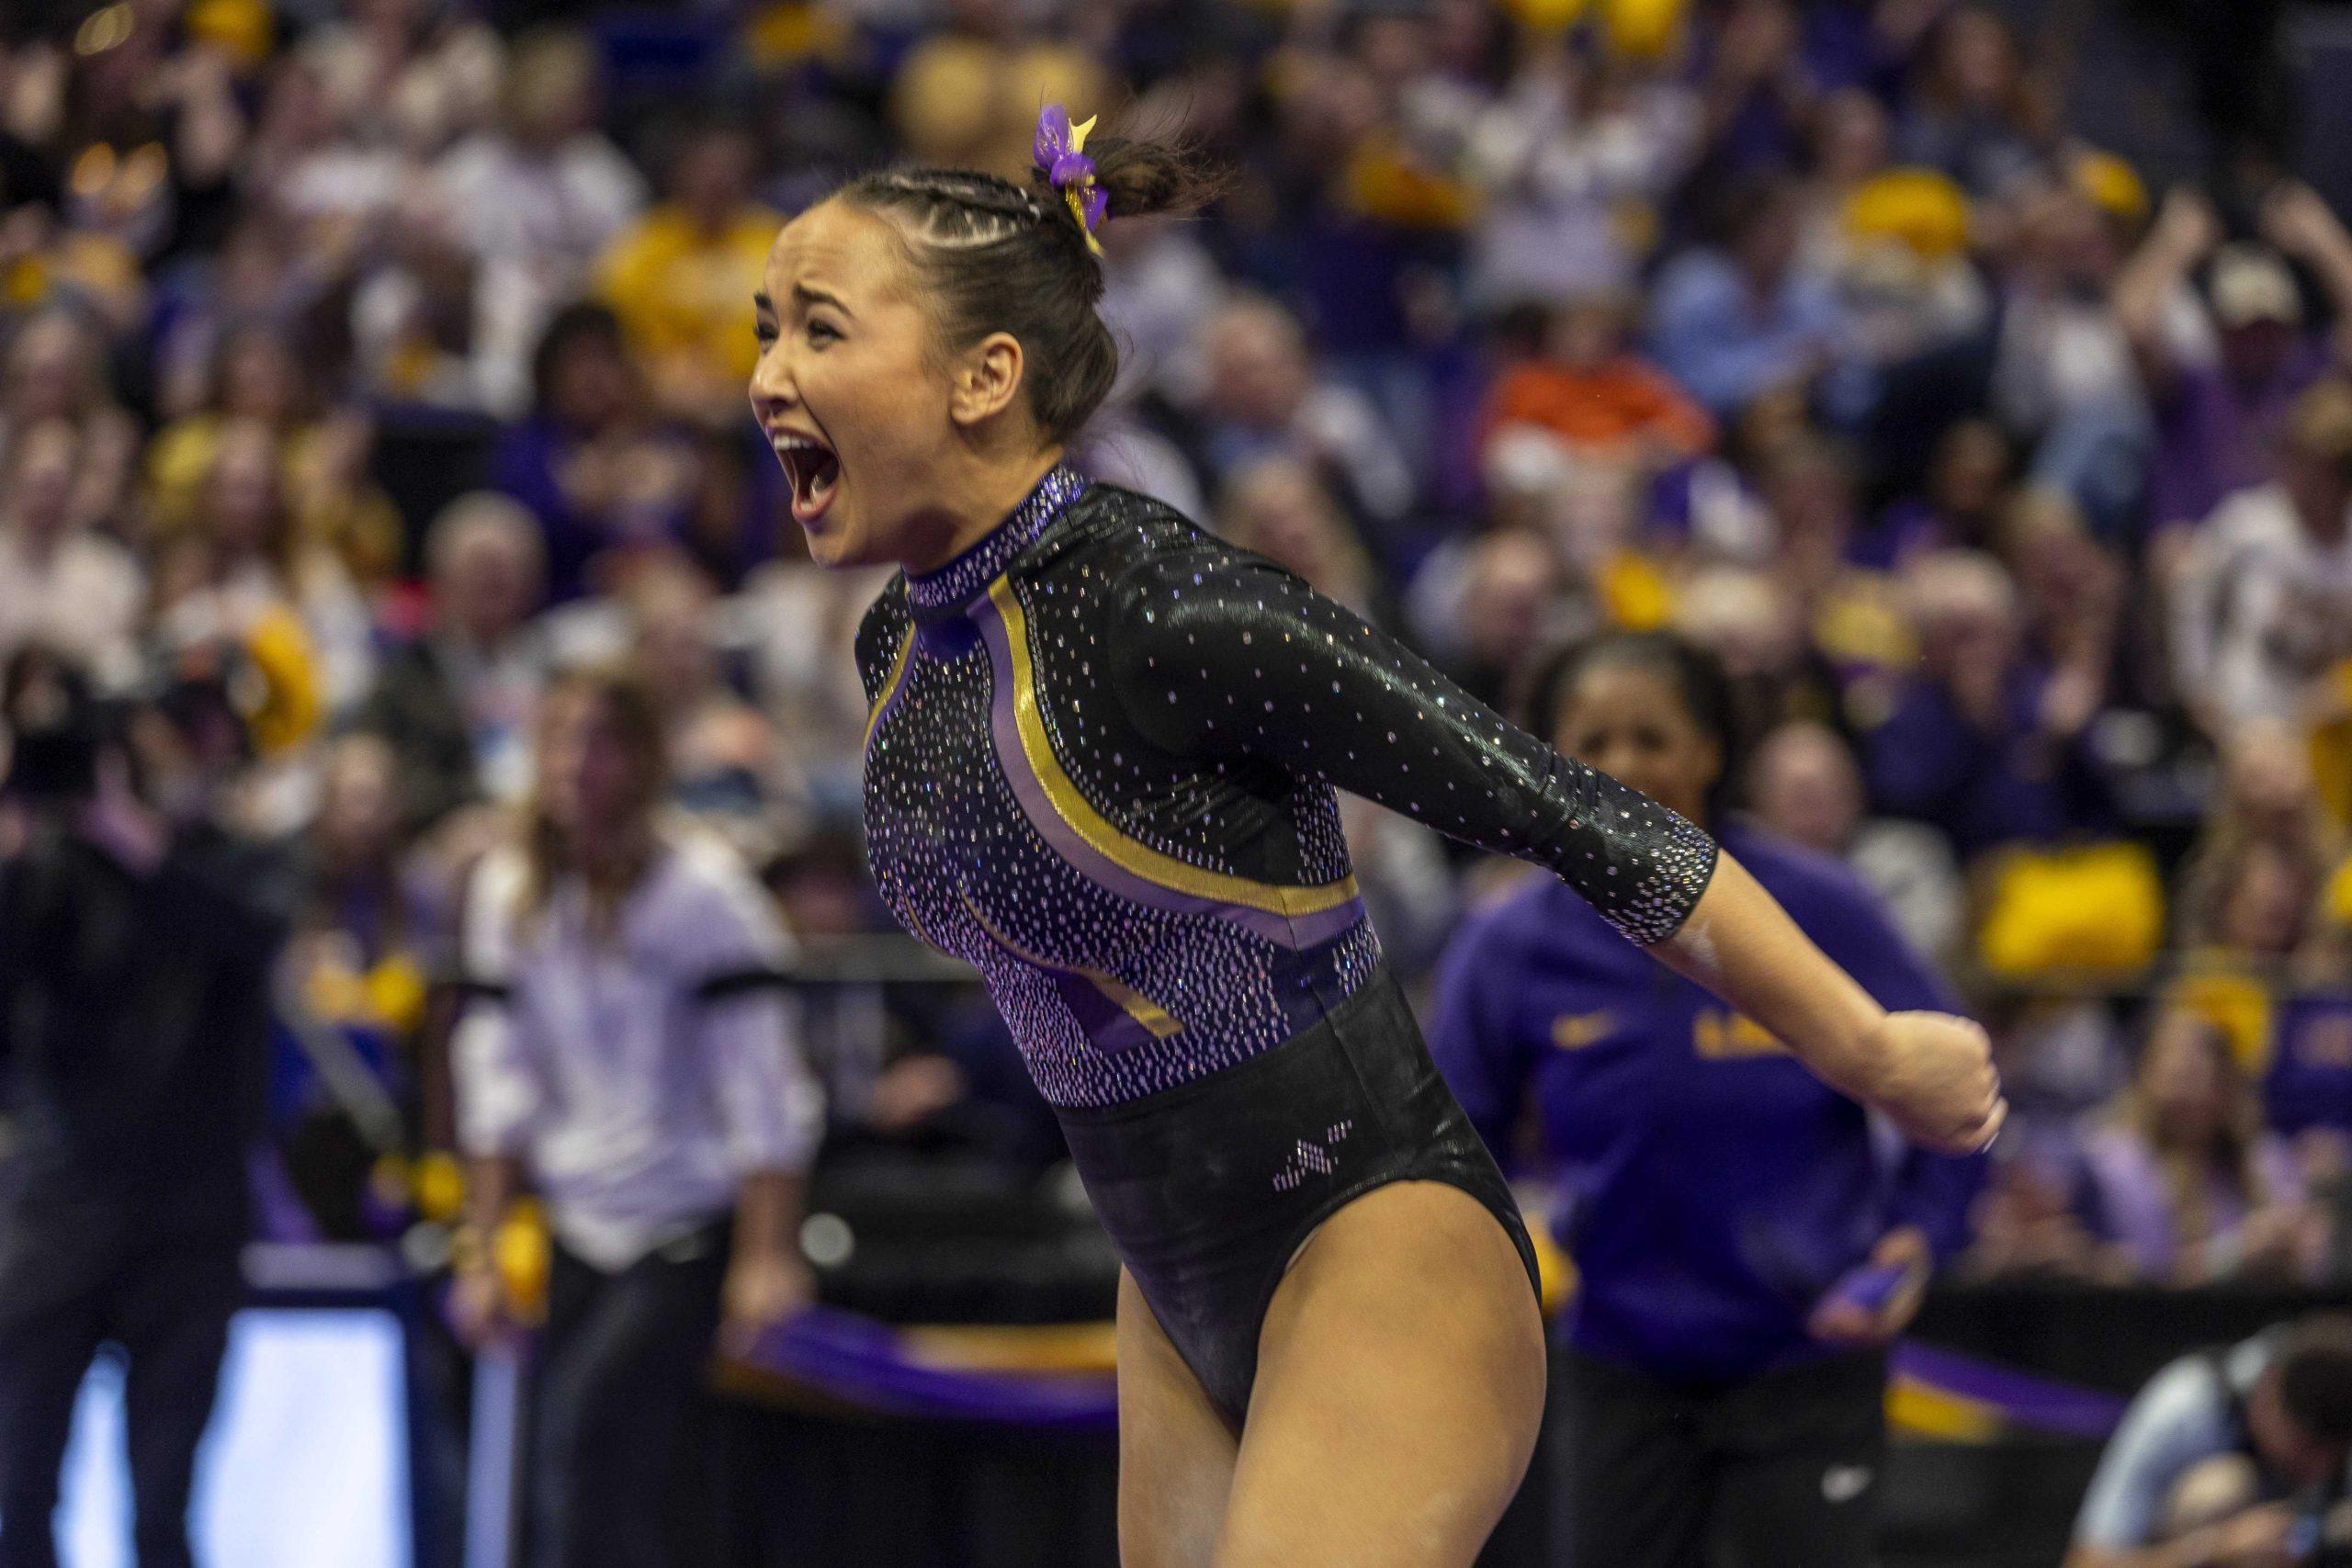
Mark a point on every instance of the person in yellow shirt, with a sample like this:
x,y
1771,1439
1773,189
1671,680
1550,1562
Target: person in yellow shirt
x,y
681,276
967,95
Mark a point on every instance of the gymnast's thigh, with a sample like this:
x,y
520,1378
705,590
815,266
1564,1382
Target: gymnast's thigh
x,y
1176,1452
1400,1384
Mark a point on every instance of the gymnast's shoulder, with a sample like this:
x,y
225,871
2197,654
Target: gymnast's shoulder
x,y
1146,553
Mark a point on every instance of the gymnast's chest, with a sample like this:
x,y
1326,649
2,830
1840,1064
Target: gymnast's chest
x,y
945,825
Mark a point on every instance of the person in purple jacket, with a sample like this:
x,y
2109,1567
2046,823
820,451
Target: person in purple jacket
x,y
1747,1239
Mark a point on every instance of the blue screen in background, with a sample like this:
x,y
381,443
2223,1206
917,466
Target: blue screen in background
x,y
306,1463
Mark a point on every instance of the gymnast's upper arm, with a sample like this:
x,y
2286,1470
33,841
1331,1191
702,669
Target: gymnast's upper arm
x,y
1223,654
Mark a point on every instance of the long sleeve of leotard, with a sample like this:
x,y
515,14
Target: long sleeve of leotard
x,y
1219,655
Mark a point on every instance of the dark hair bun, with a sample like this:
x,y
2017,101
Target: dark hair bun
x,y
1142,175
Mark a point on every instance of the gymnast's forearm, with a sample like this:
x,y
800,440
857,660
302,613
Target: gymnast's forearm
x,y
1932,1073
1740,945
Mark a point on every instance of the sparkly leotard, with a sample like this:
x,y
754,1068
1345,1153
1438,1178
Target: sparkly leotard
x,y
1101,767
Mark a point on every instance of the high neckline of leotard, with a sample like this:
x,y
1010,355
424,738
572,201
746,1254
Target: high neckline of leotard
x,y
945,589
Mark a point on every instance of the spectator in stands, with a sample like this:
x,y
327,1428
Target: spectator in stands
x,y
1736,1285
259,379
56,369
2228,1455
966,95
455,704
410,71
1265,397
1593,396
538,199
1850,147
415,342
1805,785
243,569
2064,375
596,470
257,374
2225,364
1779,674
729,768
1479,607
2248,923
1744,318
1959,507
2252,899
1808,488
62,582
631,1057
308,150
273,265
2265,608
794,624
2028,1225
1910,289
1974,111
1756,92
2071,589
1576,138
354,985
2182,1180
2268,800
681,279
1980,744
1160,289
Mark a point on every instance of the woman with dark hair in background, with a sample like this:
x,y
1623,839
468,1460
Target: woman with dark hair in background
x,y
1746,1240
1101,767
630,1055
2179,1179
596,472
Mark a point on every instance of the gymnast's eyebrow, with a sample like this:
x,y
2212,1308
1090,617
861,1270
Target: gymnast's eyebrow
x,y
819,297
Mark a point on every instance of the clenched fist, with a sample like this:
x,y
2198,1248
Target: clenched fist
x,y
1933,1075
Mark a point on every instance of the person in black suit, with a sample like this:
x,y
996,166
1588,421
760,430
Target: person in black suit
x,y
136,941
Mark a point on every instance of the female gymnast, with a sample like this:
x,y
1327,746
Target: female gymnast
x,y
1100,767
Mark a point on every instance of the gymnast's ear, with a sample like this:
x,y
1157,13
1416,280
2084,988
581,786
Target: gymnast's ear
x,y
987,378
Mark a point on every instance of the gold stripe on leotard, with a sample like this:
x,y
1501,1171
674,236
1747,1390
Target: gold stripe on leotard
x,y
1134,1003
1098,832
889,687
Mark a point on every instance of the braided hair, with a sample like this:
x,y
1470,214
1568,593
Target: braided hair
x,y
996,256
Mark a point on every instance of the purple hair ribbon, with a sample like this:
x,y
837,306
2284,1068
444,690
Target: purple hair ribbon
x,y
1059,152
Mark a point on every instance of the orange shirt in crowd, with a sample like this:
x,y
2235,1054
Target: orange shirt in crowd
x,y
1618,401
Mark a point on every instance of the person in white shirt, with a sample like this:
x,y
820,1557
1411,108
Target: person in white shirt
x,y
629,1052
2265,608
536,201
62,584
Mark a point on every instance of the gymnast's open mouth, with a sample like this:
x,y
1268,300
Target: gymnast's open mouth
x,y
813,467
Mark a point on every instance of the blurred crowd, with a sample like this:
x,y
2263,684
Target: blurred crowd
x,y
401,346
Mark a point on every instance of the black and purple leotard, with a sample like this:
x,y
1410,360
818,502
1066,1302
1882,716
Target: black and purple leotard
x,y
1101,768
